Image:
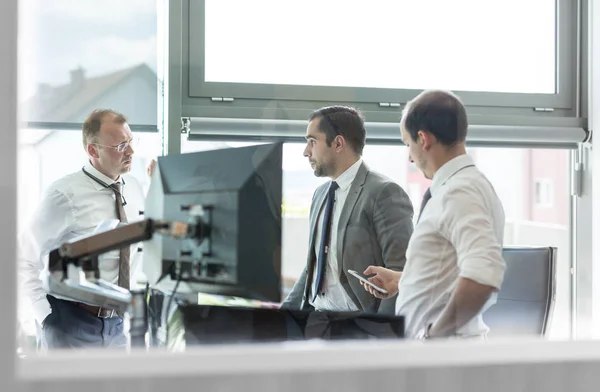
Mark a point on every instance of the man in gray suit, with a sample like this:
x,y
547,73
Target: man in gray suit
x,y
360,218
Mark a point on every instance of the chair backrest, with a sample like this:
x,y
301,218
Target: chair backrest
x,y
526,298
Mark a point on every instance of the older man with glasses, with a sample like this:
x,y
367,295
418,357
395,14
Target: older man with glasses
x,y
72,207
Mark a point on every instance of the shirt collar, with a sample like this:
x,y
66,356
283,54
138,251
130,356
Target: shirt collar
x,y
448,170
346,178
96,173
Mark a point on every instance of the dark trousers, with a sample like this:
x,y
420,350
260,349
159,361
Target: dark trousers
x,y
70,326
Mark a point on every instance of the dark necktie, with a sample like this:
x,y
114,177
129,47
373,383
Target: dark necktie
x,y
124,252
426,198
325,236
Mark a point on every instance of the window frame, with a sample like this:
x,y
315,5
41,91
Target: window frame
x,y
563,102
61,126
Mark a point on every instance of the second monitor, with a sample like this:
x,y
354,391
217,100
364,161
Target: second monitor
x,y
233,197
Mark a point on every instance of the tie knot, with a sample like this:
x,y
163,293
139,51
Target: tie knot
x,y
116,186
334,185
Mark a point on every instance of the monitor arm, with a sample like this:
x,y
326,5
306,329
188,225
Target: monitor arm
x,y
74,269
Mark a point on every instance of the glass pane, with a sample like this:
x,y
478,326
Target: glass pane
x,y
78,55
518,175
44,157
384,44
514,173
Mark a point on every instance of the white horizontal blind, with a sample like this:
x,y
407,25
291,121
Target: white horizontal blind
x,y
203,128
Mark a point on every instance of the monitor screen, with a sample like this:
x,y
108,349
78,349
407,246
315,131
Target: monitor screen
x,y
236,193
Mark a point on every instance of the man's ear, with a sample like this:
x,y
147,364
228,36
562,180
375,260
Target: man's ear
x,y
427,140
92,150
338,143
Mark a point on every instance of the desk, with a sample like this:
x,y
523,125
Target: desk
x,y
191,324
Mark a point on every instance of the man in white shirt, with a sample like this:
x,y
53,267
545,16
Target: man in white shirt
x,y
357,219
454,258
72,207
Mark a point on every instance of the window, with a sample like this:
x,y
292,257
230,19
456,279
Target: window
x,y
337,43
415,191
77,56
110,61
382,53
509,169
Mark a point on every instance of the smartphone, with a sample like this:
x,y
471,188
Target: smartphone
x,y
360,277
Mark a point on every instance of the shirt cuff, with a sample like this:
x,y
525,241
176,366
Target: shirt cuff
x,y
491,275
41,310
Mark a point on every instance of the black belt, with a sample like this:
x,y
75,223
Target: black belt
x,y
97,311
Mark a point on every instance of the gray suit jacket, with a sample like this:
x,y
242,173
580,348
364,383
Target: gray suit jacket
x,y
374,228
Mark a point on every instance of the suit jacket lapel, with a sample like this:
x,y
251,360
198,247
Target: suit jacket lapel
x,y
353,194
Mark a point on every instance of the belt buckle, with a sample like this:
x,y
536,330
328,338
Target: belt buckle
x,y
112,313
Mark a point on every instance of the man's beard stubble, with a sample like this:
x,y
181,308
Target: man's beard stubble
x,y
320,170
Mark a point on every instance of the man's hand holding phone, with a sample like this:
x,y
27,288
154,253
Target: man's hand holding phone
x,y
384,278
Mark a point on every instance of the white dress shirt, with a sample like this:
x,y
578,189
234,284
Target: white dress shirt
x,y
334,296
72,207
459,234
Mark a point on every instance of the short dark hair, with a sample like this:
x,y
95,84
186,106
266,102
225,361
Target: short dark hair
x,y
439,112
345,121
91,125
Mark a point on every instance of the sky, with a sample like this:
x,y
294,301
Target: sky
x,y
58,36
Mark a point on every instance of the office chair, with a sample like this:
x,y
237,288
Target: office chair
x,y
526,299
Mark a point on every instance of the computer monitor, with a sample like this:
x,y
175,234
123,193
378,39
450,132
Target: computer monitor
x,y
238,191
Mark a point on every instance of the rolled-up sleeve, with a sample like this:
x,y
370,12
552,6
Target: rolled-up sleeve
x,y
467,222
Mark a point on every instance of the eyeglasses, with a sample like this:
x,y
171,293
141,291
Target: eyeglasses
x,y
122,146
